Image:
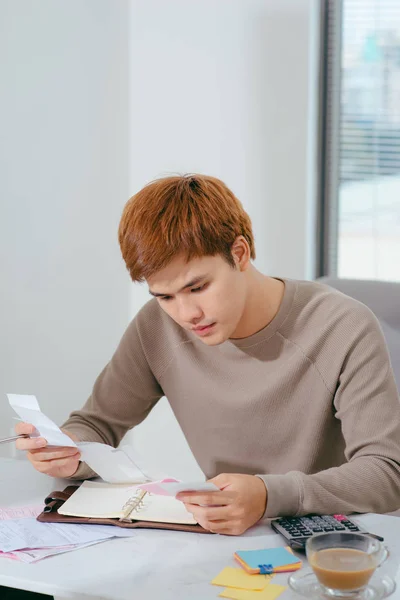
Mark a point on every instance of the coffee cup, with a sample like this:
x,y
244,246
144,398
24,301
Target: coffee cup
x,y
344,562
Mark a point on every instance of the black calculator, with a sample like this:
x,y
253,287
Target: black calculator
x,y
297,530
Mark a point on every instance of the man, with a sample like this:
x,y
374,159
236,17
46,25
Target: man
x,y
283,388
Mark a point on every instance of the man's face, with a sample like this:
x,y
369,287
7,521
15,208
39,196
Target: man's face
x,y
205,295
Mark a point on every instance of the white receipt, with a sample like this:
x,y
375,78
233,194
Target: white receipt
x,y
28,533
27,408
112,465
195,486
171,488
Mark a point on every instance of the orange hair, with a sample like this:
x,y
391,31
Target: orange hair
x,y
194,215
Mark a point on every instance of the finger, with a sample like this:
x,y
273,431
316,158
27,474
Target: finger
x,y
219,513
221,481
48,466
231,527
205,513
213,526
228,528
53,447
24,428
206,498
30,443
47,454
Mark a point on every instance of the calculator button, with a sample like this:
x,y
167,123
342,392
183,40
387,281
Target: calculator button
x,y
328,529
297,535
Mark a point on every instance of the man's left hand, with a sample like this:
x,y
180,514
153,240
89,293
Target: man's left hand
x,y
239,505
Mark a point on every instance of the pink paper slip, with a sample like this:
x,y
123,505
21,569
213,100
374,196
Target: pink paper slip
x,y
171,487
32,555
19,512
155,487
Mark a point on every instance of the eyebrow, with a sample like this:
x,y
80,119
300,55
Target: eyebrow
x,y
191,283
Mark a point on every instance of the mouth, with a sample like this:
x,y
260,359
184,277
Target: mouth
x,y
203,330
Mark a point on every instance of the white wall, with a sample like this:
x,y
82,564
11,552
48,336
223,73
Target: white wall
x,y
228,88
63,182
221,87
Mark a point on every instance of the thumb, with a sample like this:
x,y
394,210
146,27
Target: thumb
x,y
221,481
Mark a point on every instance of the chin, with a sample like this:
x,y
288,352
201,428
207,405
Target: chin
x,y
213,340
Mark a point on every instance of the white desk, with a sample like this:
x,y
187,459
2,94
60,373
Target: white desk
x,y
152,564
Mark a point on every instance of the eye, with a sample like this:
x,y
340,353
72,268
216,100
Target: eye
x,y
199,289
166,298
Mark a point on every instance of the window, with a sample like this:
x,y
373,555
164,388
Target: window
x,y
360,140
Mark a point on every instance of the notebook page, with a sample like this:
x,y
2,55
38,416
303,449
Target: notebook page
x,y
163,509
105,500
98,500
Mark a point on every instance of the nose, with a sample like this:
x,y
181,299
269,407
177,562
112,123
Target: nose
x,y
189,311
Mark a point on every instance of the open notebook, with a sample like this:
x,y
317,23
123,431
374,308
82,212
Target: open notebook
x,y
124,501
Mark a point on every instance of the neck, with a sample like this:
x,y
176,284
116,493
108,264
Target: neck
x,y
264,297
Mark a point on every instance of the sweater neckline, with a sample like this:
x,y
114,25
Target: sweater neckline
x,y
269,330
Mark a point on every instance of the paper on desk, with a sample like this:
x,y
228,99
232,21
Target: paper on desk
x,y
171,487
27,408
35,554
20,534
19,512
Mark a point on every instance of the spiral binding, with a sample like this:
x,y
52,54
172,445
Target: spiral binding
x,y
133,504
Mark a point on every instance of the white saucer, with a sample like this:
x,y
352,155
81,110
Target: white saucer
x,y
306,584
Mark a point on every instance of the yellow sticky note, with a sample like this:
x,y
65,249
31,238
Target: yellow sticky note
x,y
237,578
270,592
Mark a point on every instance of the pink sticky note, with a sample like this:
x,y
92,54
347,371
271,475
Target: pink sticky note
x,y
155,487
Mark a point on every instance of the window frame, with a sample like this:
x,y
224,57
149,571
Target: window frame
x,y
328,143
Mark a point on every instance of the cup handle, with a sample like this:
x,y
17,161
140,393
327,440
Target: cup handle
x,y
385,555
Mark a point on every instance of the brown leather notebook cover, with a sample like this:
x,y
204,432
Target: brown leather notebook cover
x,y
56,499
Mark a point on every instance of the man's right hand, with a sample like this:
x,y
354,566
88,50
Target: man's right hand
x,y
57,461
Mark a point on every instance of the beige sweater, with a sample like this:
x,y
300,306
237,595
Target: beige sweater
x,y
309,403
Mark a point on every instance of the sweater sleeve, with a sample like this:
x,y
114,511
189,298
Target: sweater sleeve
x,y
123,395
367,404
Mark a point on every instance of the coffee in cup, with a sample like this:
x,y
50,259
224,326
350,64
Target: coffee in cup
x,y
344,562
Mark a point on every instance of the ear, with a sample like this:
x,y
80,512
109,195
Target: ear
x,y
241,253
